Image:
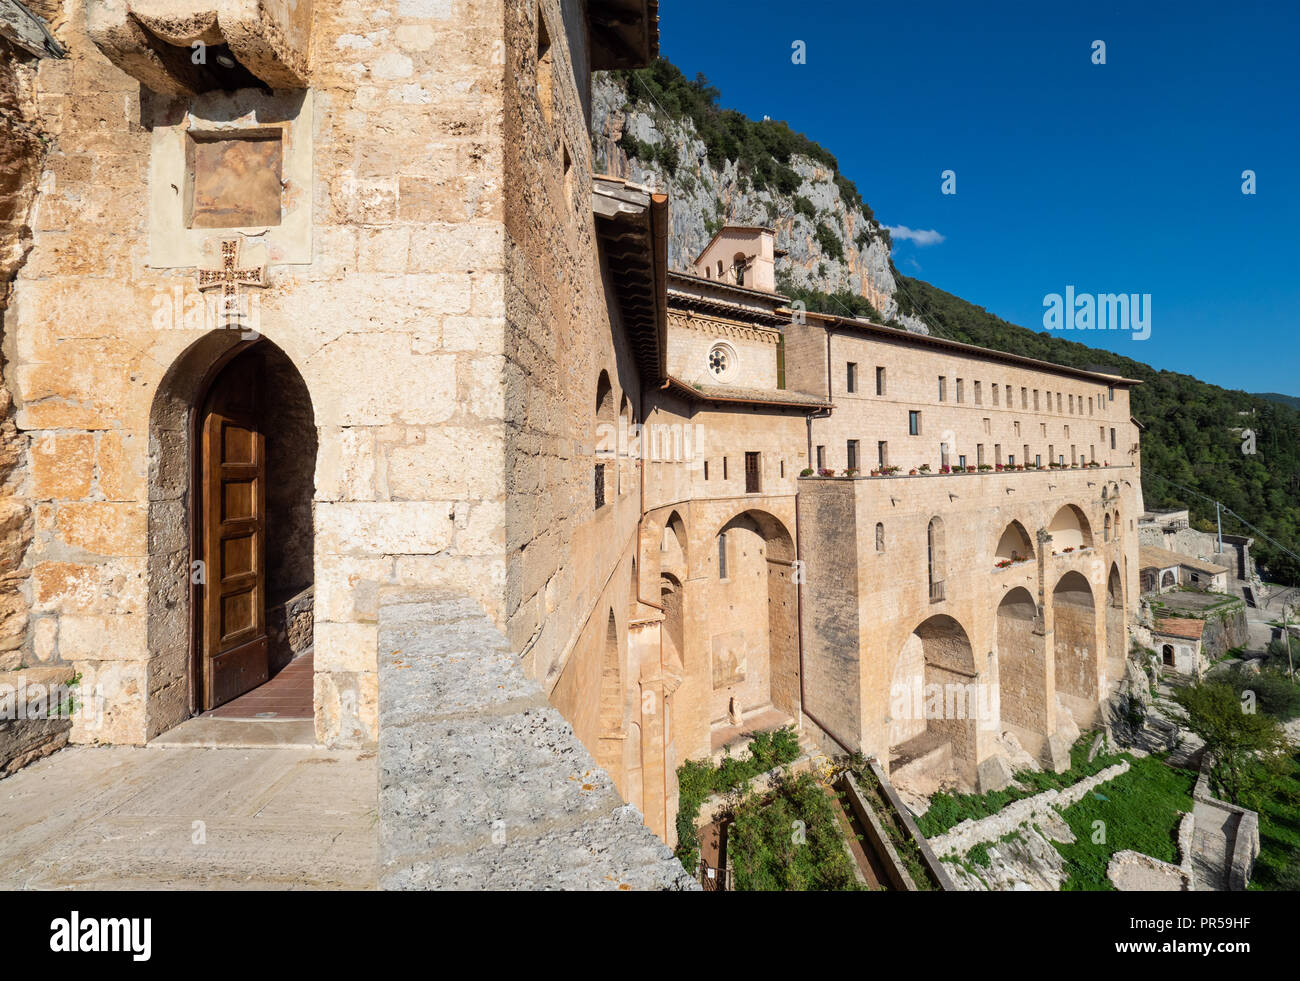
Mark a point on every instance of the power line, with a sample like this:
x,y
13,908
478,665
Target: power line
x,y
1226,510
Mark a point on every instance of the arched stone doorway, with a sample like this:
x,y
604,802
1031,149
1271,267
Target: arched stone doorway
x,y
1074,648
936,703
1023,686
231,532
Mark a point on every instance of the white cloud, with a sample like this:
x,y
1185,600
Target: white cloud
x,y
917,235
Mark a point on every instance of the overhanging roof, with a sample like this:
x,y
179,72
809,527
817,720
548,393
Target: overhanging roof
x,y
776,398
624,33
632,225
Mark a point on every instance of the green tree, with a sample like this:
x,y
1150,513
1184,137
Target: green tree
x,y
1247,747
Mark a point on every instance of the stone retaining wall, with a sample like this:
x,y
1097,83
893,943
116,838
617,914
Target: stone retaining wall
x,y
482,783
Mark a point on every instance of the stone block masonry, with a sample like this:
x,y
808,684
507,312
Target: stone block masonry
x,y
482,784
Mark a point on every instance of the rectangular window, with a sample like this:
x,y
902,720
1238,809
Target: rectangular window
x,y
997,452
943,455
1008,396
914,423
943,388
722,555
882,453
1058,401
1112,439
1043,425
1038,459
1026,456
988,425
852,376
1067,432
1071,403
1036,399
752,474
821,458
961,391
1089,405
1011,460
1051,452
724,468
706,469
1092,453
996,390
1074,456
1024,399
783,470
1102,430
979,454
1111,389
853,454
1017,426
880,381
979,395
961,461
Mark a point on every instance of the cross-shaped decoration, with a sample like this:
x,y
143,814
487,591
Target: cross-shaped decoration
x,y
231,279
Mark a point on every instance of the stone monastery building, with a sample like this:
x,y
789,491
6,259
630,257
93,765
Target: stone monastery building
x,y
338,310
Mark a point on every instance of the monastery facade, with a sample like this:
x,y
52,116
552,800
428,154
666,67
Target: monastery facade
x,y
339,309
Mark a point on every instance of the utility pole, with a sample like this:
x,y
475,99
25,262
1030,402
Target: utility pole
x,y
1218,515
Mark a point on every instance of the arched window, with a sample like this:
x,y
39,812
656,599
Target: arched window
x,y
722,555
937,559
880,537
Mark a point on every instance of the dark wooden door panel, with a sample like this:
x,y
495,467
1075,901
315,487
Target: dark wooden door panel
x,y
234,656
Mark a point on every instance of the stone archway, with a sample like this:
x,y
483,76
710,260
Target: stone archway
x,y
1014,544
1116,631
1024,691
1074,648
936,703
1070,529
176,584
754,644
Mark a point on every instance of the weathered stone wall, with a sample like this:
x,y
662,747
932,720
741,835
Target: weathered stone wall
x,y
396,326
22,154
691,338
482,783
891,592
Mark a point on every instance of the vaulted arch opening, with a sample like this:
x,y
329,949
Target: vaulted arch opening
x,y
1023,686
1070,529
1014,544
754,635
1075,644
936,704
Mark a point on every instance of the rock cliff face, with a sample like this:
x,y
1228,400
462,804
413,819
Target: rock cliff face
x,y
706,193
22,152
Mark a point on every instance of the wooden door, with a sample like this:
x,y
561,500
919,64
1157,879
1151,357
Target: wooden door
x,y
233,658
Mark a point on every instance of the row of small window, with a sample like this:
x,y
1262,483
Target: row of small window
x,y
1061,399
853,455
753,472
914,428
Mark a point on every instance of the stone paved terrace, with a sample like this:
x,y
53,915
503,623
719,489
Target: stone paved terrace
x,y
124,818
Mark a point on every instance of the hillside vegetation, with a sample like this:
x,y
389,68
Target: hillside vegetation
x,y
718,165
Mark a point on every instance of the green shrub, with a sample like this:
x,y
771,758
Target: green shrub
x,y
830,242
802,206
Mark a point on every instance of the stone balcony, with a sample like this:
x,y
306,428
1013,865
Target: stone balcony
x,y
185,47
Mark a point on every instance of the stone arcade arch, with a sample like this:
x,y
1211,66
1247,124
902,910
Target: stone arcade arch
x,y
1074,647
1024,692
1014,544
286,419
1070,529
754,643
1116,632
611,743
935,707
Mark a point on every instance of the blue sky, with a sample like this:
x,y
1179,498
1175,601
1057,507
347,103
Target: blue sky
x,y
1123,177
